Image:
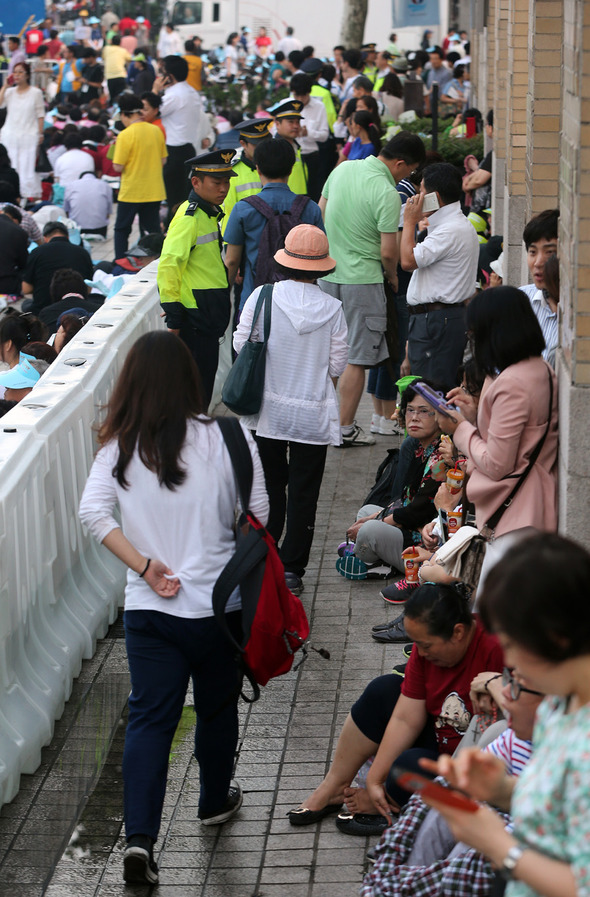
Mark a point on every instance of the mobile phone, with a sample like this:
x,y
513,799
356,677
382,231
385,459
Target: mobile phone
x,y
443,523
434,398
430,204
452,797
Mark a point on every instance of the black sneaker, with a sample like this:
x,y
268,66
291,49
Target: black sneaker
x,y
382,627
230,807
356,437
294,583
138,861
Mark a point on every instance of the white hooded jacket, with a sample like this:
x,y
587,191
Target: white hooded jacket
x,y
307,346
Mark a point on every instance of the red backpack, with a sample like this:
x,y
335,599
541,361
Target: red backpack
x,y
274,622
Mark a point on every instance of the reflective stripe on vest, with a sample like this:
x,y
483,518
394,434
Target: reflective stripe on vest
x,y
252,185
207,238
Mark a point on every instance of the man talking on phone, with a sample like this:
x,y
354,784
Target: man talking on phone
x,y
444,269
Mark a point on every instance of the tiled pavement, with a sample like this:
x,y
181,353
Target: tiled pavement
x,y
287,739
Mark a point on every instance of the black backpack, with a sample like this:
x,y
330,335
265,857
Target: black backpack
x,y
382,490
278,225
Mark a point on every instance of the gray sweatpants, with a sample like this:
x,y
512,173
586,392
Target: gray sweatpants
x,y
377,541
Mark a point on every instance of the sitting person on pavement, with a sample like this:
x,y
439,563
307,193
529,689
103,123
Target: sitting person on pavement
x,y
402,719
381,534
418,854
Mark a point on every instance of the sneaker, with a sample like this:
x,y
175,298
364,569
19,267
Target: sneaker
x,y
357,437
388,427
375,424
138,861
383,627
407,650
379,571
400,669
294,583
351,567
398,592
230,807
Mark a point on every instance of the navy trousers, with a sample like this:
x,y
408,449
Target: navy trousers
x,y
164,653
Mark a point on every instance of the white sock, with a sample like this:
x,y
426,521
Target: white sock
x,y
347,430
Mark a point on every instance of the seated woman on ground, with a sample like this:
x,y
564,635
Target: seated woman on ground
x,y
400,720
381,534
547,642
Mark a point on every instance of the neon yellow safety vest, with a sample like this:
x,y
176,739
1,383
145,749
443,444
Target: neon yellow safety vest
x,y
298,178
370,72
192,278
326,97
247,183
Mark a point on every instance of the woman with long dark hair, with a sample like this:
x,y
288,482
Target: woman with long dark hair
x,y
23,129
165,464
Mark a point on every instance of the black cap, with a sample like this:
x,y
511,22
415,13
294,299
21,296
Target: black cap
x,y
287,109
368,48
254,128
312,66
217,164
149,245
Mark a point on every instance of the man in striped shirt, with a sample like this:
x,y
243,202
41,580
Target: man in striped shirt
x,y
540,239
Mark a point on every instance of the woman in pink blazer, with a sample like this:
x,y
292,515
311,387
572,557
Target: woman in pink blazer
x,y
499,436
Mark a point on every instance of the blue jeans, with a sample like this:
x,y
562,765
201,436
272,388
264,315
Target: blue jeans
x,y
164,652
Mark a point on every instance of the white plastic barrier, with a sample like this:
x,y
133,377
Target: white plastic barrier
x,y
59,590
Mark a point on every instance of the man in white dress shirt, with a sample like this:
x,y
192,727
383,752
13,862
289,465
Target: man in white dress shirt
x,y
540,239
445,269
180,113
314,130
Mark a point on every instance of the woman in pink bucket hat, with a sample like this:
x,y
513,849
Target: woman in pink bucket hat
x,y
299,417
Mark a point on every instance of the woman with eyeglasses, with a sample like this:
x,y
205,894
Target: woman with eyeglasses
x,y
547,642
398,720
510,437
381,534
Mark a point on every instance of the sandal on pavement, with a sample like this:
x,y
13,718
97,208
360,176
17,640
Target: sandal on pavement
x,y
305,816
361,824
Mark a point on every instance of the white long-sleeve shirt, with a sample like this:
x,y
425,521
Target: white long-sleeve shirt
x,y
306,347
190,528
181,113
315,120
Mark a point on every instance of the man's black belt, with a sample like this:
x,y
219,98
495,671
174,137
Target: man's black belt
x,y
425,307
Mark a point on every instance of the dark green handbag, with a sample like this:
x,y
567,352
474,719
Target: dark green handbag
x,y
244,387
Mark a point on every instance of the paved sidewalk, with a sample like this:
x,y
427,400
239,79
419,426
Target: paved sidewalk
x,y
286,742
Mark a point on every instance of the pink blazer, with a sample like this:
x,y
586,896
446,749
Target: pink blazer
x,y
511,419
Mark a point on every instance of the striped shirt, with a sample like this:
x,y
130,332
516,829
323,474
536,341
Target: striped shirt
x,y
514,751
546,318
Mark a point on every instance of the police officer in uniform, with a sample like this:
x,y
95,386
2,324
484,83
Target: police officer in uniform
x,y
287,116
192,278
369,52
247,182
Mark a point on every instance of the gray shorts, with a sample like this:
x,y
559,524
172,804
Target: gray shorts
x,y
364,307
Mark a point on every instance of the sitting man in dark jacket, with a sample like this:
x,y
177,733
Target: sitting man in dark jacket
x,y
44,261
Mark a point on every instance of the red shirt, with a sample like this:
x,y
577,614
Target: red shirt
x,y
55,46
33,40
125,23
445,690
105,163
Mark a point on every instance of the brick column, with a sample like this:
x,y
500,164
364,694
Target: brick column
x,y
574,250
500,89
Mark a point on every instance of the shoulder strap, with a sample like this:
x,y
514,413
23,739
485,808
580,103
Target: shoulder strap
x,y
299,204
264,297
241,459
260,205
497,516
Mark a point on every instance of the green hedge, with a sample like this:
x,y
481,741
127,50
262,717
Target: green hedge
x,y
452,149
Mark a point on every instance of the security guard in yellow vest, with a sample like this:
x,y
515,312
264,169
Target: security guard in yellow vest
x,y
192,278
247,181
287,116
369,52
312,67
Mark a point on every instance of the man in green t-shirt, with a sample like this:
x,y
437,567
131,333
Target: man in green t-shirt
x,y
361,209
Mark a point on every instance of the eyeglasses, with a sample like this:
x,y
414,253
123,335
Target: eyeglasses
x,y
515,687
419,412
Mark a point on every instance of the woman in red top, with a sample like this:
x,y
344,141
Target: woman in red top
x,y
400,720
263,43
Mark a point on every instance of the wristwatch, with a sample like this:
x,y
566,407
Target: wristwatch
x,y
510,861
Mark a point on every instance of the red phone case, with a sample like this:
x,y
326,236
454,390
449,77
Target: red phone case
x,y
412,781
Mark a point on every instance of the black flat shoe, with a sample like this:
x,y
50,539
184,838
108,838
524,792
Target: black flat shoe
x,y
394,635
361,824
382,627
305,816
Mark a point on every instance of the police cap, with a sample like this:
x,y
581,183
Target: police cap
x,y
254,129
217,164
287,109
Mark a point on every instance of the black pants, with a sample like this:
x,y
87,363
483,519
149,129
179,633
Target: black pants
x,y
149,222
436,342
293,472
176,176
371,714
205,350
314,185
115,87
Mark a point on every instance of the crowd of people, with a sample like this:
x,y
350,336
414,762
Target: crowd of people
x,y
364,252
